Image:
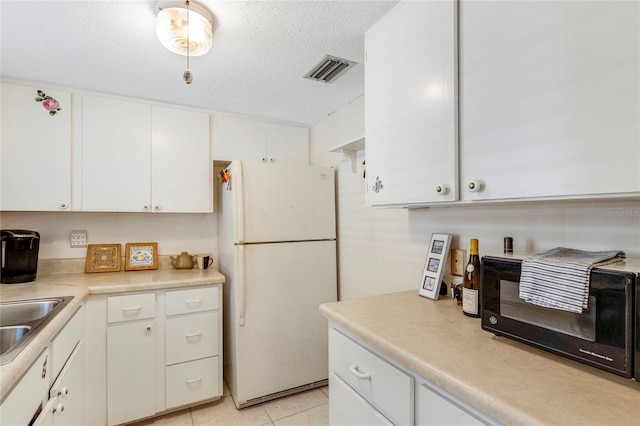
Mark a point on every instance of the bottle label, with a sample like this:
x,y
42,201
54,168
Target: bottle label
x,y
470,267
470,301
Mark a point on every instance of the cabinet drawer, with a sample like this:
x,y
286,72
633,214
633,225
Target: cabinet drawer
x,y
192,381
192,300
130,307
64,343
387,388
346,407
191,337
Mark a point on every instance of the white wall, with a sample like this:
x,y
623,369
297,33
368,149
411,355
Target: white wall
x,y
383,250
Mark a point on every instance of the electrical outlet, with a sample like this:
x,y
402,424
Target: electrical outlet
x,y
79,238
458,258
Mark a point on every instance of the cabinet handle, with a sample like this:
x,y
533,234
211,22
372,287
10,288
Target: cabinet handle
x,y
193,302
442,189
358,374
190,336
44,367
191,381
156,208
137,308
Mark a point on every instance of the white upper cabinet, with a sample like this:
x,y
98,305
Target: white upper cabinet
x,y
180,161
36,149
116,155
138,158
410,105
244,139
549,99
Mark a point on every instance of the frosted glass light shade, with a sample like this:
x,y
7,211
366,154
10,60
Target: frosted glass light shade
x,y
171,29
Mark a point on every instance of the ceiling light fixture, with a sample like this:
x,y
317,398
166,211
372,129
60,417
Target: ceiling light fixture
x,y
184,28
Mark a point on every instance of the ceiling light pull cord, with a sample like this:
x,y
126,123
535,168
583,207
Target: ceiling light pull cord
x,y
187,76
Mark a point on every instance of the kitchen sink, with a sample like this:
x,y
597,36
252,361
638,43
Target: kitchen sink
x,y
21,321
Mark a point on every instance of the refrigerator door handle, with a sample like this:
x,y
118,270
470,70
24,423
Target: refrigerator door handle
x,y
240,202
240,286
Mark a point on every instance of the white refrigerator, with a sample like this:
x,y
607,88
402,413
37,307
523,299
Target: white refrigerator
x,y
277,236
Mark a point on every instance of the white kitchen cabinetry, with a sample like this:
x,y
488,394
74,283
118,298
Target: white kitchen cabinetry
x,y
549,99
19,406
410,105
152,352
243,139
131,347
192,349
367,388
138,157
36,150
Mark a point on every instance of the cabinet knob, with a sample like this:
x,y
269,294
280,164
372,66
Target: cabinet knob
x,y
271,159
264,159
145,208
148,328
474,186
58,409
63,392
63,206
156,208
442,189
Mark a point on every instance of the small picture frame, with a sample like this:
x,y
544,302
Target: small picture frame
x,y
103,258
141,256
434,266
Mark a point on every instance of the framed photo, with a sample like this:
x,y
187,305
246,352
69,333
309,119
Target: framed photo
x,y
141,256
103,258
434,266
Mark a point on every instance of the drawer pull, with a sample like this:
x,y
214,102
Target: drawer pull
x,y
137,308
193,302
358,374
191,336
192,381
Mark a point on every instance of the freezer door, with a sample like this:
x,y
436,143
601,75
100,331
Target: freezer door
x,y
283,342
276,202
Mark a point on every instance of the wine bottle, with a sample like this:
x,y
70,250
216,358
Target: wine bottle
x,y
471,284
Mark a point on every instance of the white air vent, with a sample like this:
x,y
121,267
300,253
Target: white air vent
x,y
328,69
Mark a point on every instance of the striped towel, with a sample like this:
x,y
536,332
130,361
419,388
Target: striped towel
x,y
559,278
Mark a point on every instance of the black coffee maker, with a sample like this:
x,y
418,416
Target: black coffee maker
x,y
19,255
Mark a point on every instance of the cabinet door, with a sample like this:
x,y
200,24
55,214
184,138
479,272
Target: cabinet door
x,y
348,408
131,371
287,144
116,155
549,98
66,403
410,105
36,150
435,409
238,139
181,164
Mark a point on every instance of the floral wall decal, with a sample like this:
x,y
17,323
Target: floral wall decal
x,y
48,103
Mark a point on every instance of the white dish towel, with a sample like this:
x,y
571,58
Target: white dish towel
x,y
559,278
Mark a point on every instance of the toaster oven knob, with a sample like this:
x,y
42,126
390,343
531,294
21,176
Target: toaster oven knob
x,y
442,189
493,320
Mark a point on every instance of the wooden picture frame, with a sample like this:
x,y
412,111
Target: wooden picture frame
x,y
103,258
434,266
141,256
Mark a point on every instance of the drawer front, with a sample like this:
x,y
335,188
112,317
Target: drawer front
x,y
193,381
191,337
387,388
64,343
192,300
131,307
346,407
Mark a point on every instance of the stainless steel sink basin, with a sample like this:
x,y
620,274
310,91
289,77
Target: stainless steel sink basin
x,y
21,321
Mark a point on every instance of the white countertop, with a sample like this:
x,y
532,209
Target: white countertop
x,y
511,382
81,285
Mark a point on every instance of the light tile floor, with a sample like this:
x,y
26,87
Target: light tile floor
x,y
310,408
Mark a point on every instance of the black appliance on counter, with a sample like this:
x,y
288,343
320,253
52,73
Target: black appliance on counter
x,y
602,336
19,255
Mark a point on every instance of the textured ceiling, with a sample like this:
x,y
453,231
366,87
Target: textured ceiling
x,y
261,50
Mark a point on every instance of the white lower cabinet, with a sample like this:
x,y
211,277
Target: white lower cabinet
x,y
368,388
152,352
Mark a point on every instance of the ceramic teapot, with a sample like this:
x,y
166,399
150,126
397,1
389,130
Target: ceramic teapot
x,y
184,260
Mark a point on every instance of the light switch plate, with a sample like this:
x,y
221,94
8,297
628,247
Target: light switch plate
x,y
79,238
458,258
